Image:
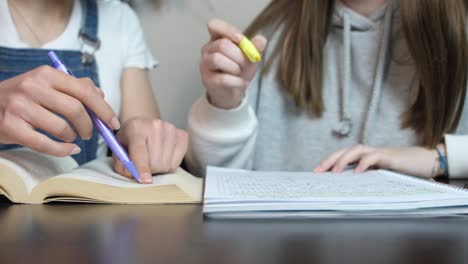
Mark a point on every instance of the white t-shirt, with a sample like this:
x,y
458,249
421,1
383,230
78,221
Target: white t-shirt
x,y
122,45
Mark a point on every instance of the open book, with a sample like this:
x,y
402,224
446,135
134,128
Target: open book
x,y
30,177
247,194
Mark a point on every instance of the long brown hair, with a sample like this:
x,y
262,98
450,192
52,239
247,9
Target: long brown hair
x,y
436,34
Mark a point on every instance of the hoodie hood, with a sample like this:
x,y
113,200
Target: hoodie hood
x,y
358,22
348,21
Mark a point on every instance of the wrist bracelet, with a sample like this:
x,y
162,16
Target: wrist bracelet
x,y
442,160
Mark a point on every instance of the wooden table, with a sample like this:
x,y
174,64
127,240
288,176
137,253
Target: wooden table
x,y
81,233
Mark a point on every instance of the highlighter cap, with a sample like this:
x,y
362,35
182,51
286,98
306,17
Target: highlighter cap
x,y
250,50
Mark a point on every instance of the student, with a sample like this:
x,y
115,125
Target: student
x,y
102,44
378,83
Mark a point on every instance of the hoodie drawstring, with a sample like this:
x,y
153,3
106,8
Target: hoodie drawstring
x,y
379,76
345,124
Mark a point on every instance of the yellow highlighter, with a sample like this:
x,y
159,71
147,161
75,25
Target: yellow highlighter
x,y
250,50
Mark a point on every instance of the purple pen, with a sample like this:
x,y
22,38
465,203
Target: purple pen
x,y
103,129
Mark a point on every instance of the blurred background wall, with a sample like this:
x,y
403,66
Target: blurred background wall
x,y
175,32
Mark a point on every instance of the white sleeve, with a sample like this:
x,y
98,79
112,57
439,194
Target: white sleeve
x,y
135,50
224,138
457,155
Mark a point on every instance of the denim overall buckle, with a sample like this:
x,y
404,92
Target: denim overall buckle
x,y
88,48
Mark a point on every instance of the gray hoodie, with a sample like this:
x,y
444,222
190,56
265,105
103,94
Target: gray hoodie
x,y
369,81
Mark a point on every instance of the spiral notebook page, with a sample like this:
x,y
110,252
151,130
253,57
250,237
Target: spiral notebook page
x,y
373,186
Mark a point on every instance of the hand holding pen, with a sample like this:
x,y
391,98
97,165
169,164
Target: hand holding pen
x,y
103,129
154,146
30,101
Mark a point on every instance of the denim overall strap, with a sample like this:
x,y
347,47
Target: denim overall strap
x,y
88,28
14,62
89,31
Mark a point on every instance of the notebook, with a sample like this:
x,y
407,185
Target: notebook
x,y
30,177
253,194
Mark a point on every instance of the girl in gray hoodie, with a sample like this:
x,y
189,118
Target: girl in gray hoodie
x,y
377,83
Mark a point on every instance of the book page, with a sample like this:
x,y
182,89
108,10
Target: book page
x,y
372,186
34,167
97,182
101,171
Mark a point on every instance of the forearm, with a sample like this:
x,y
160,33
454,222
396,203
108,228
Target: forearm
x,y
137,96
224,138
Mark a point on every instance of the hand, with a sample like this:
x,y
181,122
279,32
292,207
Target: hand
x,y
154,146
29,101
225,70
417,161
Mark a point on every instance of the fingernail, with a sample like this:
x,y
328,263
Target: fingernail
x,y
147,178
115,123
75,150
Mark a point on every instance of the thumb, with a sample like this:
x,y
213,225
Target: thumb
x,y
260,43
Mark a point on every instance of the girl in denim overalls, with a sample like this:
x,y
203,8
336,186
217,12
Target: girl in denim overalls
x,y
42,109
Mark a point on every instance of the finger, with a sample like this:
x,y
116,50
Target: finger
x,y
71,108
260,42
40,118
367,161
228,49
138,152
250,68
220,29
155,147
101,93
168,145
44,95
26,136
351,156
220,63
83,90
119,167
92,99
179,150
328,163
225,80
